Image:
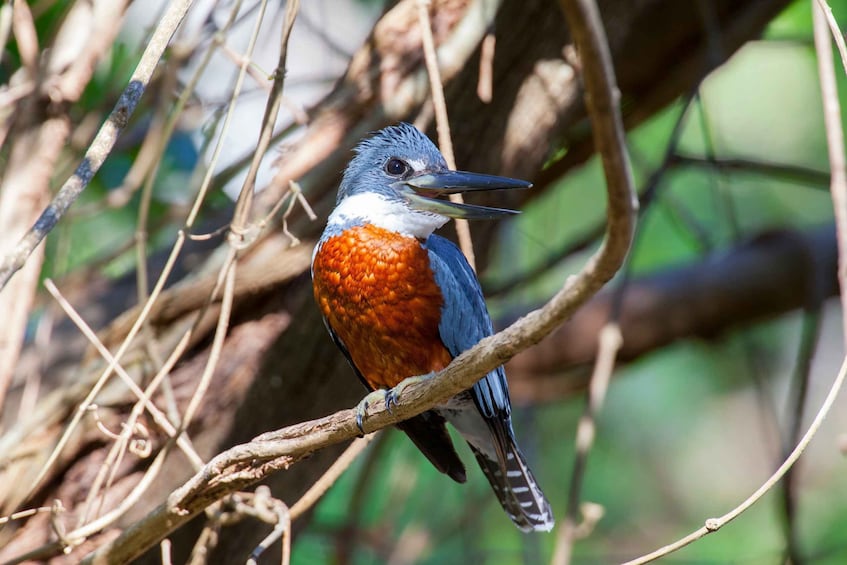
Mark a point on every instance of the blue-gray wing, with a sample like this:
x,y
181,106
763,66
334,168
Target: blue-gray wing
x,y
465,321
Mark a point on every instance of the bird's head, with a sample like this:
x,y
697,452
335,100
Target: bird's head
x,y
400,167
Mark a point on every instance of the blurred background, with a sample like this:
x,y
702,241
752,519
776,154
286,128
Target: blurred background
x,y
728,302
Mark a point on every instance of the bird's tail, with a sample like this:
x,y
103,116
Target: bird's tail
x,y
516,489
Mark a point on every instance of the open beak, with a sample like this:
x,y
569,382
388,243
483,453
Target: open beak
x,y
422,192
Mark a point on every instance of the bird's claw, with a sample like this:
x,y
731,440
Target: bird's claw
x,y
391,398
379,395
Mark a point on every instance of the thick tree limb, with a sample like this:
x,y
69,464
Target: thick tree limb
x,y
769,275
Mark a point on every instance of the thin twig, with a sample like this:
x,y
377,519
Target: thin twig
x,y
155,142
767,412
41,344
102,144
165,548
319,488
442,122
281,517
245,197
610,342
206,541
826,12
5,24
834,134
227,280
485,84
790,173
260,77
798,393
24,514
26,37
714,524
158,417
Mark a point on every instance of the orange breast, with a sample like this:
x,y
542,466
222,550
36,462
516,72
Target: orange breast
x,y
378,292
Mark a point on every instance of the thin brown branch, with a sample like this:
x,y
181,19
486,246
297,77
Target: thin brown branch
x,y
824,24
6,16
282,529
165,548
442,122
317,490
610,342
245,198
23,26
485,87
798,394
714,524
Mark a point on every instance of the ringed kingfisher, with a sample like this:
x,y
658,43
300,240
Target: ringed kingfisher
x,y
401,302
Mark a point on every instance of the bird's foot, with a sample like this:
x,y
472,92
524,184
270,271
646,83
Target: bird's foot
x,y
394,394
390,397
379,395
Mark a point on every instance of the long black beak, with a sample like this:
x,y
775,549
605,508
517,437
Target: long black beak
x,y
422,192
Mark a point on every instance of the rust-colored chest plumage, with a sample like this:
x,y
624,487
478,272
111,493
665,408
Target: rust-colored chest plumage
x,y
377,290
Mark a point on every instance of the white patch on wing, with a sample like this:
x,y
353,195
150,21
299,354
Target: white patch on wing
x,y
388,214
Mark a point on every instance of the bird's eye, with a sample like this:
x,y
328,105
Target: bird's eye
x,y
396,167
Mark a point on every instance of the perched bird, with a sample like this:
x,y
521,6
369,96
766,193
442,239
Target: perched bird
x,y
400,302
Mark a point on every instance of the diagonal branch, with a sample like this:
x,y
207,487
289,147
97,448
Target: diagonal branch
x,y
100,147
